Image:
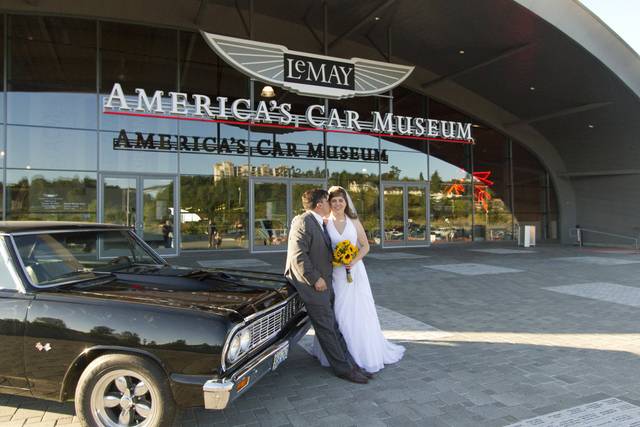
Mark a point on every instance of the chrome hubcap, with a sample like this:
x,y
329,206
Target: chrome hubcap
x,y
122,398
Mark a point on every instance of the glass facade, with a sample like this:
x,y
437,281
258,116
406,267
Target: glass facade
x,y
202,185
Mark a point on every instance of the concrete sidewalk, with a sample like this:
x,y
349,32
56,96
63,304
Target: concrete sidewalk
x,y
495,335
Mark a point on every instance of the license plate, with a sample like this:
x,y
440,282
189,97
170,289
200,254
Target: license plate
x,y
280,357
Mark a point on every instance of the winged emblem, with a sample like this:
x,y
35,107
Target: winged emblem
x,y
306,73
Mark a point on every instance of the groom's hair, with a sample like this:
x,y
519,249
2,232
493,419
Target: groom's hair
x,y
311,198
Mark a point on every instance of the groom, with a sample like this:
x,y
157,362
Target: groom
x,y
309,269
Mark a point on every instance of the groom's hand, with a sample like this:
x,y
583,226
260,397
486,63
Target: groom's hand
x,y
320,285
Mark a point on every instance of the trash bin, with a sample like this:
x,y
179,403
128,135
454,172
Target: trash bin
x,y
526,235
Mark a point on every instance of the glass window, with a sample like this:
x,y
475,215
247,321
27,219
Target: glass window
x,y
145,152
51,148
529,190
2,53
137,57
492,186
203,72
290,154
450,189
450,176
215,210
52,72
360,178
403,159
205,147
51,196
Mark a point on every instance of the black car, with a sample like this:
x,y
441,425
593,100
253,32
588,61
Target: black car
x,y
89,312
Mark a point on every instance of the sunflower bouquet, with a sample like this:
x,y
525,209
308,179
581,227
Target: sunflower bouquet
x,y
343,254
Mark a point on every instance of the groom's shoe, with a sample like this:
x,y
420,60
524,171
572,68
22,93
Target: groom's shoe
x,y
354,376
367,374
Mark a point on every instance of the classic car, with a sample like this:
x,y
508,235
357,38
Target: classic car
x,y
89,312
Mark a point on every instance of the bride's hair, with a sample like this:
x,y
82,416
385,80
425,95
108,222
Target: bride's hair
x,y
337,191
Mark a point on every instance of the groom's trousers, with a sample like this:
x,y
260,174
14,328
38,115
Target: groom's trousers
x,y
320,309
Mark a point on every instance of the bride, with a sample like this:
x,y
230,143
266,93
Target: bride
x,y
354,307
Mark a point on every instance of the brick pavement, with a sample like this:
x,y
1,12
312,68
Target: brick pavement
x,y
511,348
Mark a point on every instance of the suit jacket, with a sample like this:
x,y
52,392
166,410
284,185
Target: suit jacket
x,y
308,257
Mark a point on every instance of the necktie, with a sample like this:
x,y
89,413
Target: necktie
x,y
327,238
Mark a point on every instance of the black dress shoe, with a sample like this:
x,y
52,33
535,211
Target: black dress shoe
x,y
354,376
367,374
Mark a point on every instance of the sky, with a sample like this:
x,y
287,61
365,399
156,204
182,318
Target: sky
x,y
621,16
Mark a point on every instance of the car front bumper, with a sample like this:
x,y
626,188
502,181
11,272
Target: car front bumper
x,y
218,393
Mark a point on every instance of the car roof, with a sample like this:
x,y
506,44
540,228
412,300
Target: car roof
x,y
40,226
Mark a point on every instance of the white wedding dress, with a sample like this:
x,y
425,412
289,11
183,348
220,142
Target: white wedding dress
x,y
356,313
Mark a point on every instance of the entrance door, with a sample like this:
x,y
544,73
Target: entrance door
x,y
144,203
275,201
405,208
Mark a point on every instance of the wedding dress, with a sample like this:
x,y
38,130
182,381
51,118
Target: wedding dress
x,y
356,314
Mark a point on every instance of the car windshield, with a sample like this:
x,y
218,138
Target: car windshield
x,y
51,258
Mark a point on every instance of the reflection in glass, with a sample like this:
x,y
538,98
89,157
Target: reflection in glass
x,y
112,158
270,215
450,188
531,192
52,196
215,209
492,186
158,214
393,199
51,148
119,202
359,177
137,57
52,72
283,155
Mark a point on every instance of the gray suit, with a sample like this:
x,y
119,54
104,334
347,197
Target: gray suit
x,y
309,258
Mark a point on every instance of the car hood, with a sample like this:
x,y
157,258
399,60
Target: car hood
x,y
226,292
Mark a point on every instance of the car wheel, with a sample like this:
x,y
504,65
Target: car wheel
x,y
124,390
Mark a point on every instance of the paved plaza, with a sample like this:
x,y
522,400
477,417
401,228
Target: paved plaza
x,y
496,335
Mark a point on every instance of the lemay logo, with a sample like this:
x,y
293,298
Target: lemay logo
x,y
306,73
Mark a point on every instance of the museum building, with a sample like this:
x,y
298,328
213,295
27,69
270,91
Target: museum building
x,y
200,123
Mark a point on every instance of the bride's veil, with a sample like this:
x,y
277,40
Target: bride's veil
x,y
352,207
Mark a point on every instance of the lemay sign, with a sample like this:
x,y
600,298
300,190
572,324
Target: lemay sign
x,y
179,105
306,73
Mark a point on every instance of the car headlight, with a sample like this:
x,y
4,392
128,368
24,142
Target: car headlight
x,y
234,349
245,340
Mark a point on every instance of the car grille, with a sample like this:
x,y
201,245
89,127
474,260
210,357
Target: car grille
x,y
268,326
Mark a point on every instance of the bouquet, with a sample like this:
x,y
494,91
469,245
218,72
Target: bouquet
x,y
343,254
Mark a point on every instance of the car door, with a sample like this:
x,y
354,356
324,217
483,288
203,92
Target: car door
x,y
14,303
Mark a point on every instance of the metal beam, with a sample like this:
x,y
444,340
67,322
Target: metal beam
x,y
305,20
614,172
364,21
244,23
507,53
559,113
201,9
375,46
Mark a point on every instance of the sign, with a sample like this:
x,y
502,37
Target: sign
x,y
306,73
313,71
139,141
181,106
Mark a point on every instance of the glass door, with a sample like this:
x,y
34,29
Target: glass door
x,y
158,214
405,211
270,215
393,215
146,204
275,201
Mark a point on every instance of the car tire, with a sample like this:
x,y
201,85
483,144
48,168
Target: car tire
x,y
122,389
